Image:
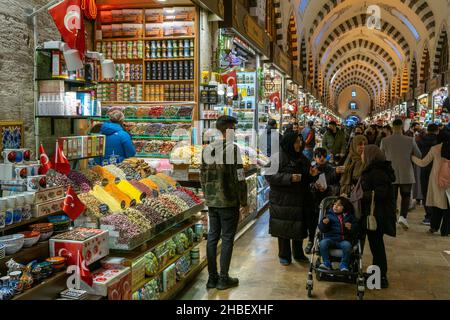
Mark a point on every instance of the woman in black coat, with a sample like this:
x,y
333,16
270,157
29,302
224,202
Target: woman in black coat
x,y
378,176
290,199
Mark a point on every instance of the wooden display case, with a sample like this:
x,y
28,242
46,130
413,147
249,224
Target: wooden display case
x,y
147,87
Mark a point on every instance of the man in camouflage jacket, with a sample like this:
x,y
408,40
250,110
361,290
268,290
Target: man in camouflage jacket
x,y
225,188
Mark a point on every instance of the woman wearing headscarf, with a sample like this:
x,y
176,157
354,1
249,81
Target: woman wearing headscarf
x,y
290,199
353,165
378,176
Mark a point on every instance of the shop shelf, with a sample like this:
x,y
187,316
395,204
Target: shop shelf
x,y
168,59
39,251
169,38
64,117
26,222
160,138
77,82
162,268
175,290
119,39
121,81
160,235
169,81
157,120
152,156
48,289
147,102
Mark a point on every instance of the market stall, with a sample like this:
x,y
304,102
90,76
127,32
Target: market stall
x,y
139,233
439,96
154,48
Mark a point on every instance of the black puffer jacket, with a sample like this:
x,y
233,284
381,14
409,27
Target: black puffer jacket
x,y
379,177
290,203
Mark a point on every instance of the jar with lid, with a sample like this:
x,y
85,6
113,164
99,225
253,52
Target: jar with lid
x,y
9,211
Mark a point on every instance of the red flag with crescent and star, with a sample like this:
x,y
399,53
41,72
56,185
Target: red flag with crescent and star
x,y
230,79
73,252
45,162
69,20
60,162
276,98
72,205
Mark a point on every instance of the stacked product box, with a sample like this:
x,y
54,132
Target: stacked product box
x,y
83,146
90,245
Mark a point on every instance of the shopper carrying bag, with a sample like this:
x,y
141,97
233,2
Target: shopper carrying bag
x,y
378,205
371,220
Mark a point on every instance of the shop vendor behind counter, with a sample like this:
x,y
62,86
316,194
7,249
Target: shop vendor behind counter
x,y
119,145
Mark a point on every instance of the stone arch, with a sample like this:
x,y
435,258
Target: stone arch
x,y
441,57
425,66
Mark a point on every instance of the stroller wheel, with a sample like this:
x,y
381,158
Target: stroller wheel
x,y
360,295
319,276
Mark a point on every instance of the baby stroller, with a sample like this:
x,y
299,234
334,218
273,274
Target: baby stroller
x,y
355,273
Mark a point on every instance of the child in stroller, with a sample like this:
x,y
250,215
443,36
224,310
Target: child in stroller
x,y
339,229
337,239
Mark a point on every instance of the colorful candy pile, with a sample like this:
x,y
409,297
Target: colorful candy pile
x,y
128,231
191,194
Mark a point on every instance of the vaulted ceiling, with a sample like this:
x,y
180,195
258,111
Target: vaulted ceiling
x,y
352,48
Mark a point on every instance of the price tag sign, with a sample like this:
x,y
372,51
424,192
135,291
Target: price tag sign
x,y
180,175
103,209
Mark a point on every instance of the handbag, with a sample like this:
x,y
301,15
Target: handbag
x,y
371,220
355,198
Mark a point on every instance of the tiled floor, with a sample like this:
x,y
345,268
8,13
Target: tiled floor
x,y
418,269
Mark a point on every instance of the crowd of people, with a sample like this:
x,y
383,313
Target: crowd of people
x,y
366,168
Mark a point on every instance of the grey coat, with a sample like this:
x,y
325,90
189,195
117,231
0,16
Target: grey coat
x,y
399,149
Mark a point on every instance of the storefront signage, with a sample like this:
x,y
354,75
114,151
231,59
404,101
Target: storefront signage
x,y
239,19
253,30
214,6
281,59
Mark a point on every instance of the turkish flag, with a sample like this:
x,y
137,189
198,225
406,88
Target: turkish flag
x,y
276,98
295,104
74,256
60,162
45,162
69,20
72,205
230,79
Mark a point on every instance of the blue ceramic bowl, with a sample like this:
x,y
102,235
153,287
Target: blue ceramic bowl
x,y
13,243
